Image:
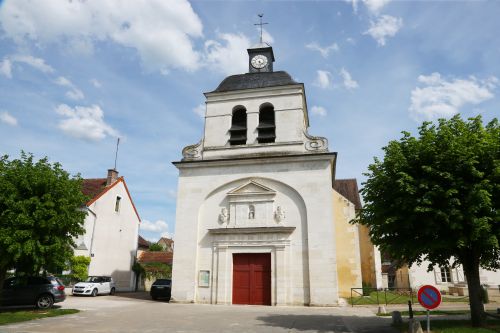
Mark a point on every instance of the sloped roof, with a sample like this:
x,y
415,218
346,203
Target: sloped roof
x,y
96,190
255,80
349,189
166,240
156,257
93,187
141,242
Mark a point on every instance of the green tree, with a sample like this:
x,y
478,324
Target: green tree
x,y
40,214
155,247
437,196
79,266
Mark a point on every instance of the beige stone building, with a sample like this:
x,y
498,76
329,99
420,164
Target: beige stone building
x,y
259,220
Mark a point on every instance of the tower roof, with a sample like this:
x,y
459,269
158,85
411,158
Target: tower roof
x,y
255,80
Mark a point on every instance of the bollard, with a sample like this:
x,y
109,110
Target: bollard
x,y
397,320
414,326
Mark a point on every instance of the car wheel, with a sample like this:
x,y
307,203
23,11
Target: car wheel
x,y
112,291
44,302
94,293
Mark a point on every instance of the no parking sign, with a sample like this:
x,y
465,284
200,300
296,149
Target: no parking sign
x,y
429,297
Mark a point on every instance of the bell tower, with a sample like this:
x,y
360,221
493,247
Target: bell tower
x,y
260,56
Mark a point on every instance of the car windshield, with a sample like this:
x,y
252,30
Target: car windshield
x,y
94,279
162,282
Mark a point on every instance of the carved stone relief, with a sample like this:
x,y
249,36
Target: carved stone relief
x,y
279,214
315,143
192,152
223,216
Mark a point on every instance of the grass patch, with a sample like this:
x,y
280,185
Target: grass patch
x,y
16,316
457,326
433,312
395,297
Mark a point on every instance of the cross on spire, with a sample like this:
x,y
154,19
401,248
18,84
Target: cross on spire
x,y
261,24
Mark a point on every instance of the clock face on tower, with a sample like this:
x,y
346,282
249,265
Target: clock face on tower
x,y
259,61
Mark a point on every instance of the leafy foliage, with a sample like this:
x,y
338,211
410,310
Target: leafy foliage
x,y
40,214
79,268
437,196
153,270
158,270
155,247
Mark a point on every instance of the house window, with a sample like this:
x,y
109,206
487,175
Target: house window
x,y
117,204
267,126
445,274
251,212
238,130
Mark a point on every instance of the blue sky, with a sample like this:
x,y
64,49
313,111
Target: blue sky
x,y
76,75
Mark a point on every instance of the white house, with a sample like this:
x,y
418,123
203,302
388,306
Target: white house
x,y
447,279
258,220
111,230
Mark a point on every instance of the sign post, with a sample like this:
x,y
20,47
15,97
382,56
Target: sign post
x,y
430,298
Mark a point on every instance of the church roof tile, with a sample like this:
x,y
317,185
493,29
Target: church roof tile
x,y
255,80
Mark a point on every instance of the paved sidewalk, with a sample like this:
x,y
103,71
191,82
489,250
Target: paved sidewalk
x,y
136,313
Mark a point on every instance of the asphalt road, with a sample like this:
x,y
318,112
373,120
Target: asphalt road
x,y
137,313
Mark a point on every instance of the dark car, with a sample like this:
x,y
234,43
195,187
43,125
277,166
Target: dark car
x,y
161,289
39,291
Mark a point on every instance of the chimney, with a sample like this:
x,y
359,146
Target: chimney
x,y
112,176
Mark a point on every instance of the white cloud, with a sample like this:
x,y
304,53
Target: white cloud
x,y
6,68
324,51
351,41
74,93
230,57
266,36
349,83
85,123
386,26
158,226
200,110
160,31
36,63
354,4
375,6
323,79
96,83
318,110
8,119
443,98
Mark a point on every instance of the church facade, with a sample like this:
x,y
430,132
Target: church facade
x,y
258,220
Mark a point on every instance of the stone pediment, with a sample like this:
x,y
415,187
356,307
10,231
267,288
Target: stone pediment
x,y
251,188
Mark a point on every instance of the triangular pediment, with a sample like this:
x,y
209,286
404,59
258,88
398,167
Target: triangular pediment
x,y
252,187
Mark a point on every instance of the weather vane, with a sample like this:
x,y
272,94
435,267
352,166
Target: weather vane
x,y
261,24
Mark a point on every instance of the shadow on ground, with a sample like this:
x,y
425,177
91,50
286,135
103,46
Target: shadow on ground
x,y
329,323
16,308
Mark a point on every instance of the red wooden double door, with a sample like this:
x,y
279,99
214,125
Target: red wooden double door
x,y
252,278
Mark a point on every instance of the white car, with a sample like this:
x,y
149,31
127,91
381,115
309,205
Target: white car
x,y
95,285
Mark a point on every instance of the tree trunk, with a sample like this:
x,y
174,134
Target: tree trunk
x,y
471,270
3,274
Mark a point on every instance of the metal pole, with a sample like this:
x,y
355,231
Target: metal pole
x,y
410,310
428,322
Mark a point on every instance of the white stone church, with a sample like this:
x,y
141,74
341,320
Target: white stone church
x,y
258,219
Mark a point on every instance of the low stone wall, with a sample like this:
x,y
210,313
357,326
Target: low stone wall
x,y
494,294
